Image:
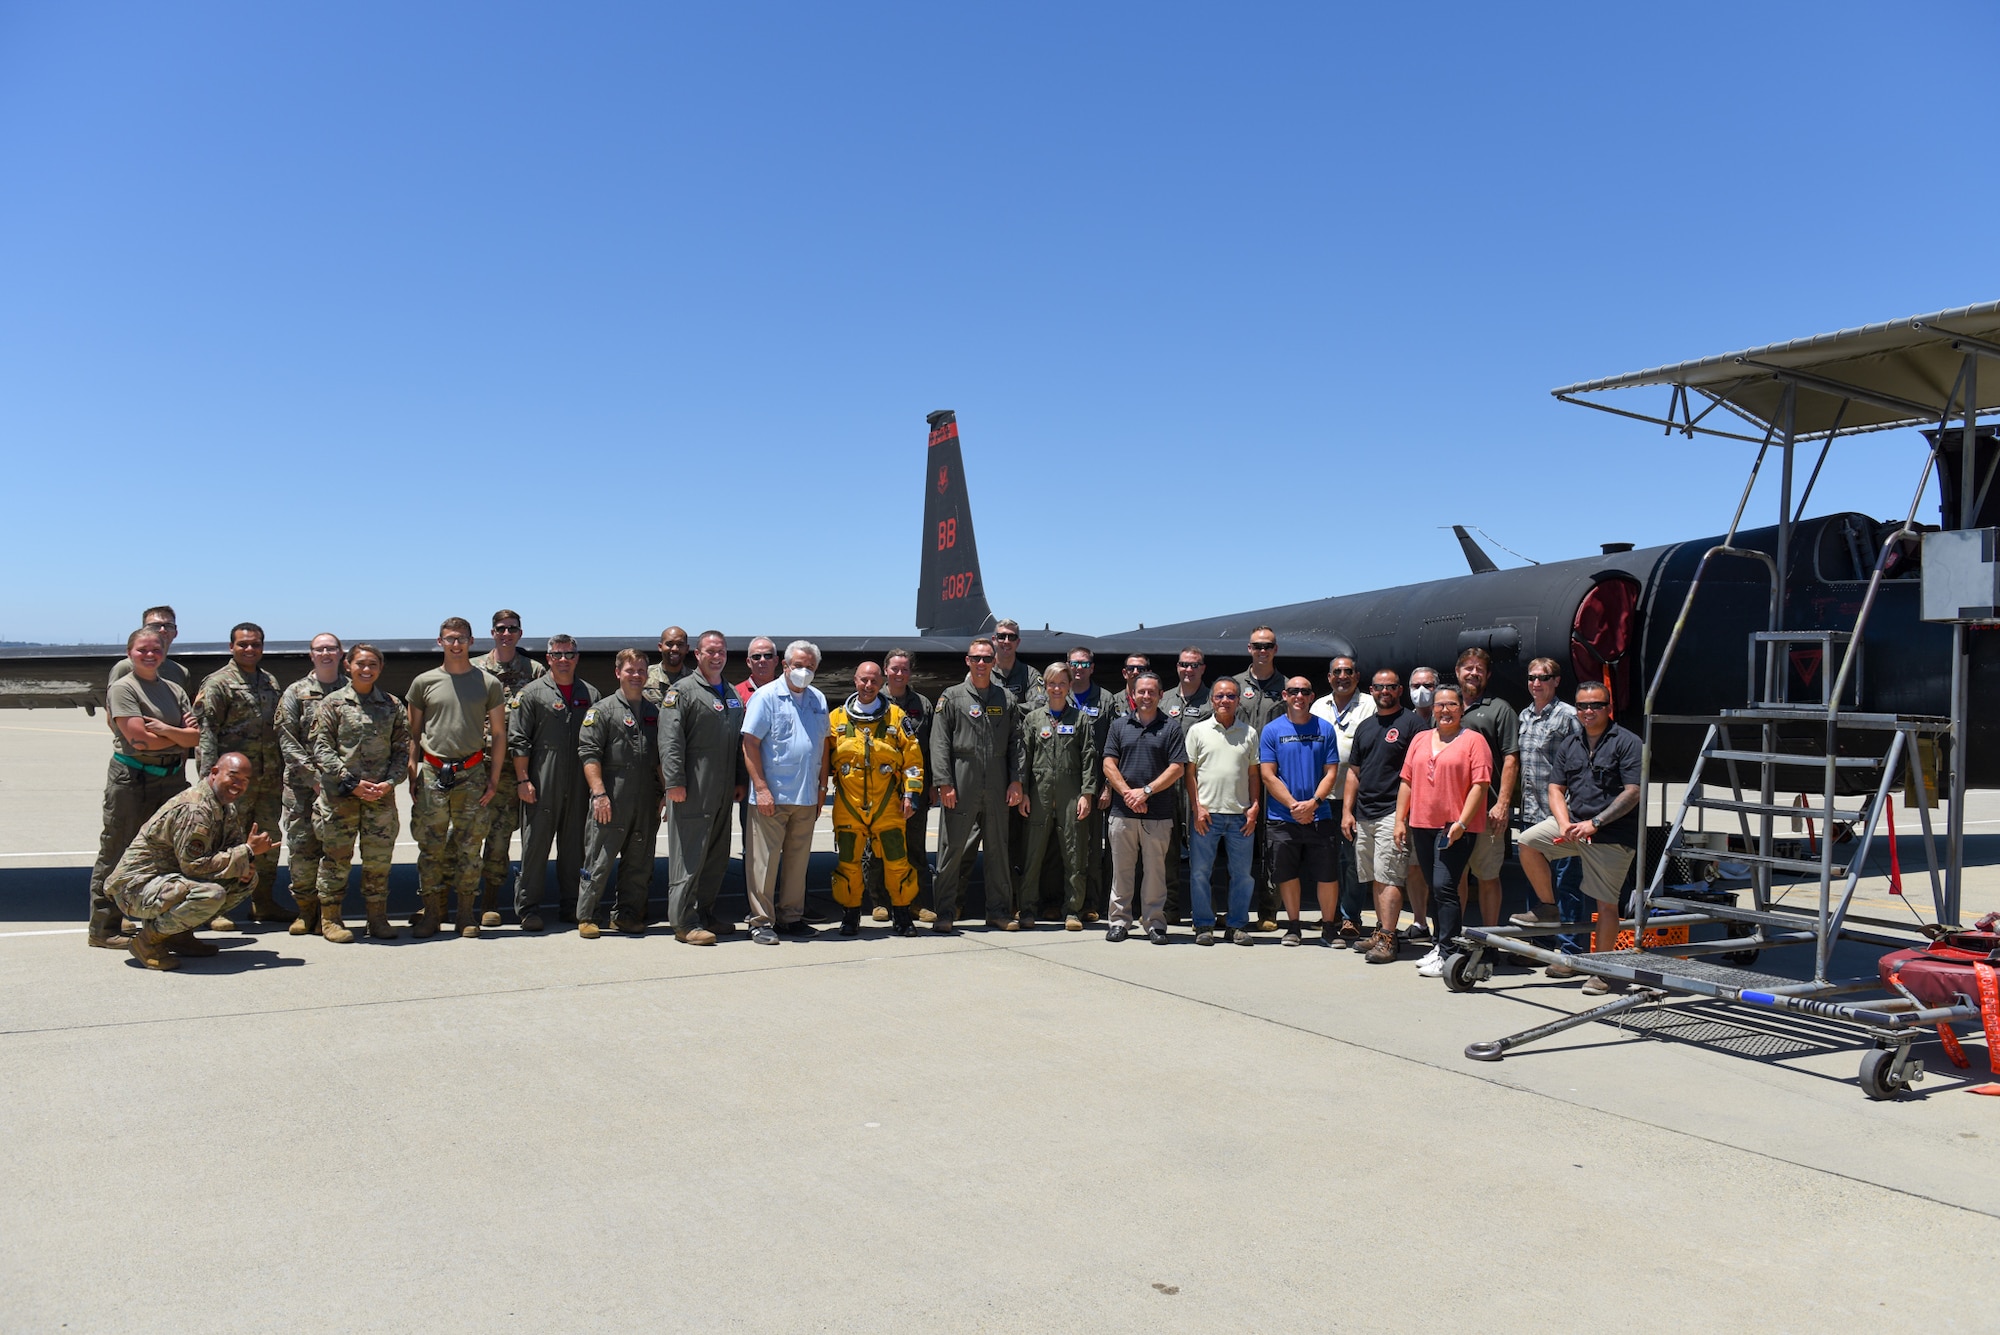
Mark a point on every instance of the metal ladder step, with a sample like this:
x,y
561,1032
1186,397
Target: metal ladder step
x,y
1776,809
1847,718
1788,758
1804,865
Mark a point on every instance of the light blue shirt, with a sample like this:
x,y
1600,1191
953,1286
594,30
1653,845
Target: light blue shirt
x,y
791,730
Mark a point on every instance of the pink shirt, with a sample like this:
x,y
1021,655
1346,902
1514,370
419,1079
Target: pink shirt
x,y
1439,783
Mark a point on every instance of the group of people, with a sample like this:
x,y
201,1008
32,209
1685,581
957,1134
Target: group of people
x,y
1081,804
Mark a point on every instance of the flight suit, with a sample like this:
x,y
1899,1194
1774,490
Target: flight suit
x,y
1023,685
1187,712
623,737
701,750
1262,701
546,729
1060,760
497,857
359,737
183,868
297,708
240,713
1096,704
976,749
876,760
917,715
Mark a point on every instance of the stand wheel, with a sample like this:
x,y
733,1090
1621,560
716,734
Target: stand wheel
x,y
1456,977
1740,959
1876,1080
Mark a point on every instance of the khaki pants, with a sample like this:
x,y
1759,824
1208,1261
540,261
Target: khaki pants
x,y
785,836
1131,841
1604,865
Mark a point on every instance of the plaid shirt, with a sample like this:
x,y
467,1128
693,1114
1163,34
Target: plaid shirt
x,y
1540,731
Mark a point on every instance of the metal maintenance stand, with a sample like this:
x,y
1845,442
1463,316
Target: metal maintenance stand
x,y
1830,748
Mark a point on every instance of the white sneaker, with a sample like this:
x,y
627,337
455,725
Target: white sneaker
x,y
1432,966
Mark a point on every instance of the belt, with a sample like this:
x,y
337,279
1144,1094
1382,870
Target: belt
x,y
454,766
157,771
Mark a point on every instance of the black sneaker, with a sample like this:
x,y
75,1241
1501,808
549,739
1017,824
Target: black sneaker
x,y
850,922
1292,937
905,923
1157,935
801,929
1118,931
1329,935
1204,937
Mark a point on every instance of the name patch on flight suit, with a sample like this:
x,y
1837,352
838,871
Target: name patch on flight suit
x,y
1066,728
996,710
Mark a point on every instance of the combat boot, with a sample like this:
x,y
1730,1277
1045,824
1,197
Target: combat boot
x,y
186,944
379,925
489,903
906,922
150,949
850,922
221,924
429,918
307,923
331,927
468,914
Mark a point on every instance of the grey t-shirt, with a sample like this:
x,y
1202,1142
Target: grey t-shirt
x,y
131,696
454,706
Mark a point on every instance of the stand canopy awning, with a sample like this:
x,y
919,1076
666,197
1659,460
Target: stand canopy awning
x,y
1900,373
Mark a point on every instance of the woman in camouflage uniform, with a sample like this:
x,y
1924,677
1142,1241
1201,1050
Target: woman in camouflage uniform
x,y
361,743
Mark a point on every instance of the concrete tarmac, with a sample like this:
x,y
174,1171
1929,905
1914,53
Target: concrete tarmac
x,y
996,1131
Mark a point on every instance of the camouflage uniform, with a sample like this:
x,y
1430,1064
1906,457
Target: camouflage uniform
x,y
186,864
623,738
1058,764
136,784
296,710
357,737
660,679
506,803
447,818
240,713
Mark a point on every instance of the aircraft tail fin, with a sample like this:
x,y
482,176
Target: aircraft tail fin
x,y
1475,555
951,596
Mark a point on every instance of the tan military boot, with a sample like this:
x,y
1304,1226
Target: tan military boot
x,y
221,924
426,922
307,922
468,914
150,949
379,925
331,927
188,945
489,904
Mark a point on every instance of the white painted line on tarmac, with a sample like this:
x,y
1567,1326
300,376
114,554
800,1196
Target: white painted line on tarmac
x,y
77,853
50,931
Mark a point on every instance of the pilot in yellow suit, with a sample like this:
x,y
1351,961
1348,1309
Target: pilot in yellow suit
x,y
877,768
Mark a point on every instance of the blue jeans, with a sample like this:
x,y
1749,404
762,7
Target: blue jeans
x,y
1572,905
1201,869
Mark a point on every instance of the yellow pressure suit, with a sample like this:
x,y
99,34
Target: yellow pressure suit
x,y
876,760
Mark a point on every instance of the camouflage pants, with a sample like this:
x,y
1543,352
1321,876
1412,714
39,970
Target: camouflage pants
x,y
130,799
450,827
264,805
170,904
497,859
302,842
339,824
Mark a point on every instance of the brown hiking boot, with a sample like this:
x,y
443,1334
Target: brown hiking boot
x,y
489,904
588,931
1072,923
468,916
307,921
188,946
695,936
150,949
379,925
427,922
1381,948
925,915
116,941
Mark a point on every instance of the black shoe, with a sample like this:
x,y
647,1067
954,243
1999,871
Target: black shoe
x,y
1118,931
944,927
850,922
1204,937
1157,935
905,923
1026,920
1329,935
801,929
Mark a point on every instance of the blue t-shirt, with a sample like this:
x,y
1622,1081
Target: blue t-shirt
x,y
791,730
1303,752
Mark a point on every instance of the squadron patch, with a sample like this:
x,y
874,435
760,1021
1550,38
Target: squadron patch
x,y
513,702
671,698
909,726
974,711
589,716
1048,733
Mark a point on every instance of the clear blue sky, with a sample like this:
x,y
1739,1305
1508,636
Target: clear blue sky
x,y
354,316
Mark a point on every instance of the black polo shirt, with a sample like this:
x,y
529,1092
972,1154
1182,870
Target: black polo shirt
x,y
1593,775
1143,752
1379,746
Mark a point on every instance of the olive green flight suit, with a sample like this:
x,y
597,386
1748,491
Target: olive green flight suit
x,y
701,750
1059,757
976,749
545,729
623,737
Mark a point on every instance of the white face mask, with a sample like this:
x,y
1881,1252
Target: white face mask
x,y
800,678
1420,697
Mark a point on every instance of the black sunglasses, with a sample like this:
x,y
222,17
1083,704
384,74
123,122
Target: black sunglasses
x,y
758,658
1543,676
557,655
979,658
1582,705
1298,690
1260,647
